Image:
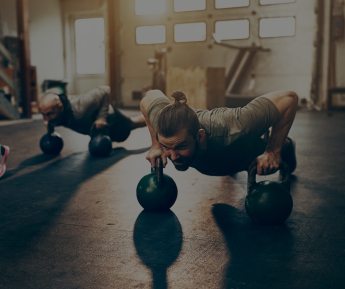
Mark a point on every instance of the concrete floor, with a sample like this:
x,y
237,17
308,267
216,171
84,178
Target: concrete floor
x,y
73,221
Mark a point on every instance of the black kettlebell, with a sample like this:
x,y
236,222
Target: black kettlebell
x,y
157,191
269,202
100,144
51,143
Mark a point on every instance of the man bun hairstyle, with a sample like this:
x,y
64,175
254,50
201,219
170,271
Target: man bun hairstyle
x,y
177,116
179,96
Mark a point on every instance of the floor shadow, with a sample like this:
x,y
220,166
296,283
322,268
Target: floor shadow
x,y
32,161
158,241
30,202
44,158
258,254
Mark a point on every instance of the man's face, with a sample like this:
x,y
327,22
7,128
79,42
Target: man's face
x,y
52,113
181,149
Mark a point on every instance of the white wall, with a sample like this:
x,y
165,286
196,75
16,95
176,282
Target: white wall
x,y
288,66
45,35
46,39
8,17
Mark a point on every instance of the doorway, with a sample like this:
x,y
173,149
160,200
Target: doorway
x,y
88,55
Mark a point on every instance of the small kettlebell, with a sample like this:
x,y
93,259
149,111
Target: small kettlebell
x,y
51,143
100,144
157,191
269,202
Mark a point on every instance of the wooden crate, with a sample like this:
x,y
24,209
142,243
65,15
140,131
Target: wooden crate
x,y
203,86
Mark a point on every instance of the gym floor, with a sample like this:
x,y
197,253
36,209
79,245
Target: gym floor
x,y
73,221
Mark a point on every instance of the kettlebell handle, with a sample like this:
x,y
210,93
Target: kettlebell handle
x,y
96,131
50,128
159,171
284,172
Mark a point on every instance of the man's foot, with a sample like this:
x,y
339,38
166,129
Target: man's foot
x,y
5,150
288,154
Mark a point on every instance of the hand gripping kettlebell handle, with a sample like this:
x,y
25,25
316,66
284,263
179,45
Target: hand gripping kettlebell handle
x,y
284,172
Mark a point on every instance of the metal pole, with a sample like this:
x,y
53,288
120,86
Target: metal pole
x,y
24,56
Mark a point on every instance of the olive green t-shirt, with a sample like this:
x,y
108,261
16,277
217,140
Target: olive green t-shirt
x,y
233,134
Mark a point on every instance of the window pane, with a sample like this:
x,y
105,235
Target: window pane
x,y
267,2
231,3
277,27
89,45
190,32
149,7
189,5
150,34
232,29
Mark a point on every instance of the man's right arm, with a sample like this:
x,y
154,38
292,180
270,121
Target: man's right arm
x,y
96,100
156,149
286,103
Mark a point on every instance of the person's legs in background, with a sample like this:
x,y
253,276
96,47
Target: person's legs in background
x,y
288,153
138,121
120,126
4,151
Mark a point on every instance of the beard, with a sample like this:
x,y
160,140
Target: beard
x,y
185,162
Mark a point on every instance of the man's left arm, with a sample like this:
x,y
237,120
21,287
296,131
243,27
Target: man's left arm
x,y
286,103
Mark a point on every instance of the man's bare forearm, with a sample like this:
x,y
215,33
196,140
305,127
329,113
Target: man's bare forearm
x,y
286,102
144,105
147,120
156,149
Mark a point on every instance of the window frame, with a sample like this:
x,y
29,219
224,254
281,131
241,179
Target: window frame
x,y
276,3
198,41
234,20
270,37
184,11
237,7
154,14
135,34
